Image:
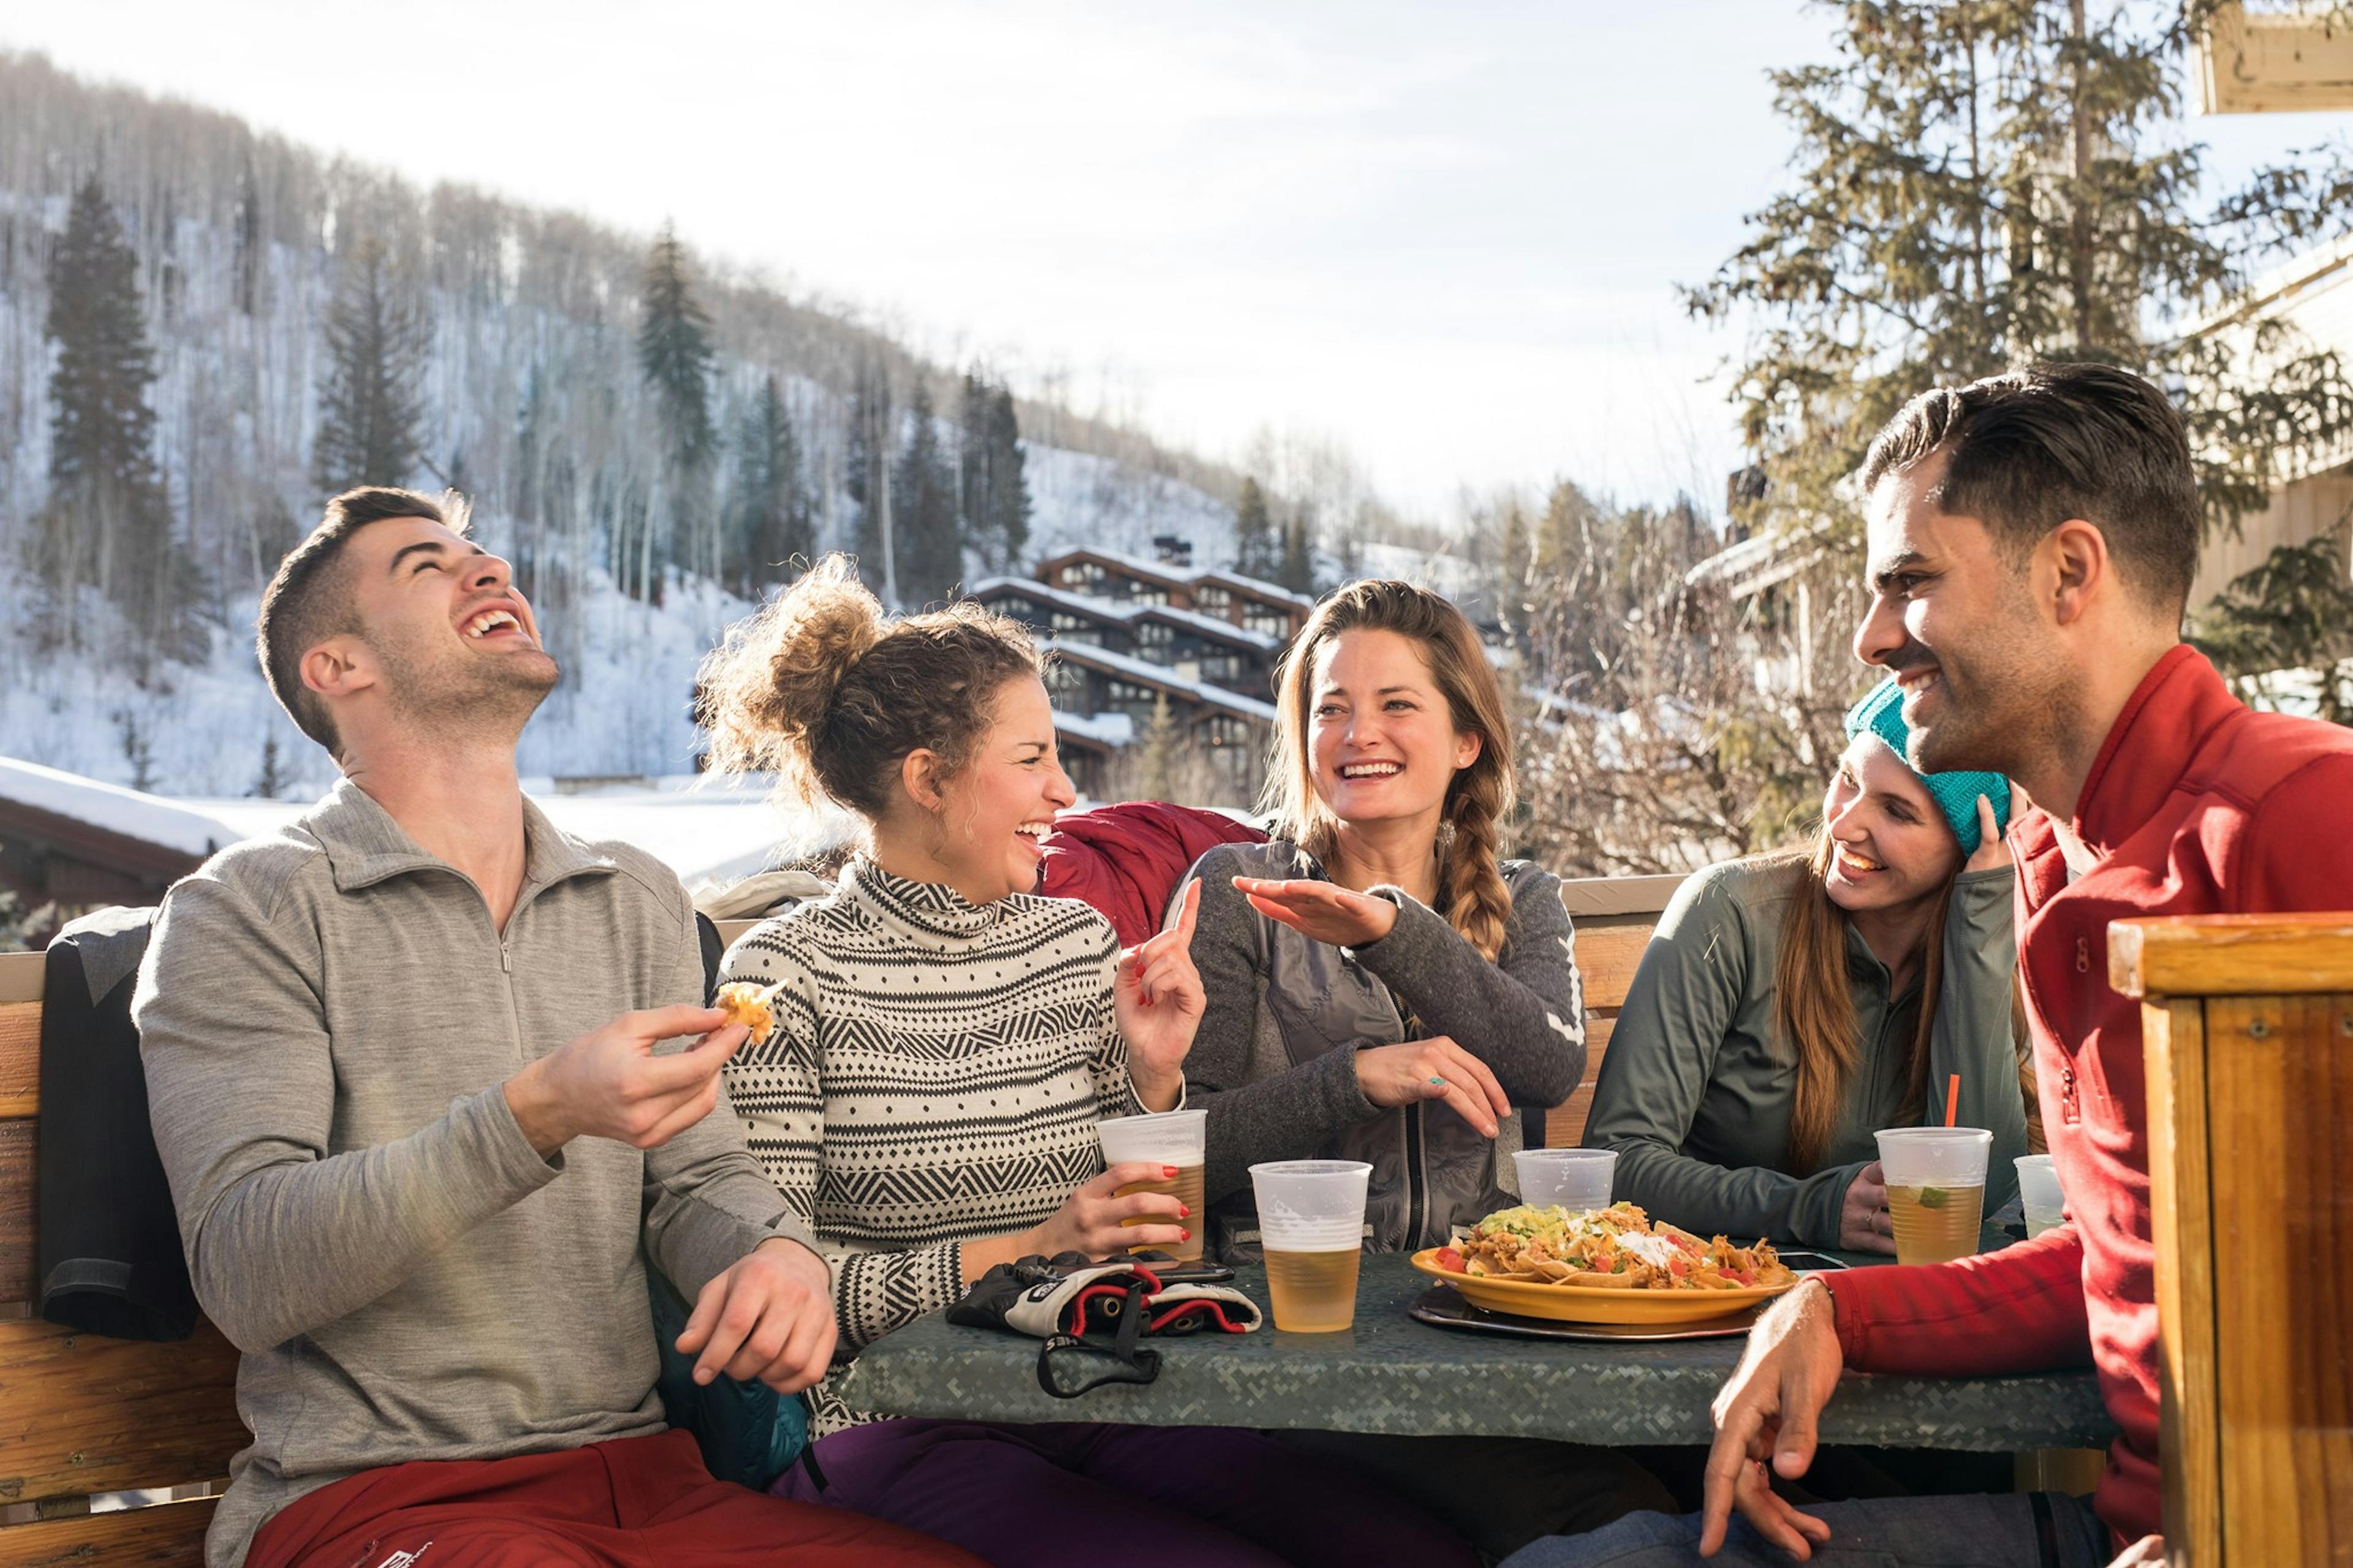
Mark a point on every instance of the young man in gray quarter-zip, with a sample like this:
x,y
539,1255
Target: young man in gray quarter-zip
x,y
407,1072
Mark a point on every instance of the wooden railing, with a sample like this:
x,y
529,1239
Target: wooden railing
x,y
2248,1027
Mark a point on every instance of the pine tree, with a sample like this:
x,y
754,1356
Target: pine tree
x,y
1158,750
872,425
992,491
1297,570
676,357
2291,613
252,249
1008,481
1980,183
1257,552
372,404
1515,569
768,514
273,780
106,524
931,548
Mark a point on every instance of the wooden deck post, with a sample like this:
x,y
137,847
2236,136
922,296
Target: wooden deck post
x,y
2248,1026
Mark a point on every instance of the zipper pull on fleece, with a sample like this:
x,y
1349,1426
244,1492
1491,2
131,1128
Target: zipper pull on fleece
x,y
506,959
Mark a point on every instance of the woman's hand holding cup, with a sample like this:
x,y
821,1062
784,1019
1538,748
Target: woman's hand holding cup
x,y
1434,1068
1090,1220
1864,1222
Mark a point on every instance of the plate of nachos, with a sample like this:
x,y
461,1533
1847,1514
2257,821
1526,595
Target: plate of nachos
x,y
1603,1266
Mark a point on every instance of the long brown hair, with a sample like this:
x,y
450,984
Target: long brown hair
x,y
1813,1003
1480,797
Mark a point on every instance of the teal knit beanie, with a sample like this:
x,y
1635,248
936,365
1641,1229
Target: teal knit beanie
x,y
1956,794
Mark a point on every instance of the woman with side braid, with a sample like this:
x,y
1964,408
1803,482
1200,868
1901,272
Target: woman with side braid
x,y
1383,986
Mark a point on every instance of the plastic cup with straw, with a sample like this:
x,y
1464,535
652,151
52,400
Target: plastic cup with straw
x,y
1936,1184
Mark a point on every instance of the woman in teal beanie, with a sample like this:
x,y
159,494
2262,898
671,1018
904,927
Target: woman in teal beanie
x,y
1792,1004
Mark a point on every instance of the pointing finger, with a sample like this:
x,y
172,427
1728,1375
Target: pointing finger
x,y
1186,912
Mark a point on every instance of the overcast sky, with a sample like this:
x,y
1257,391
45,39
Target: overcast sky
x,y
1446,234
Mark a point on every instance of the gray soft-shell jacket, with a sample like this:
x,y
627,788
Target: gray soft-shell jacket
x,y
1273,1061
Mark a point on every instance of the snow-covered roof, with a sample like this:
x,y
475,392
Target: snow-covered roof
x,y
1759,562
1125,614
704,831
133,814
1186,576
1104,729
1159,674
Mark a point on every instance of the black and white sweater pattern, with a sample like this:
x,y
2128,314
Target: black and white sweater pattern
x,y
934,1075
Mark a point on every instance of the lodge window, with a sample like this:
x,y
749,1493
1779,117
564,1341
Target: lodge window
x,y
1069,627
1083,577
1213,601
1129,698
1264,619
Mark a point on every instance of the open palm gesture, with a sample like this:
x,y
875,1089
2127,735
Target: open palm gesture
x,y
1158,1002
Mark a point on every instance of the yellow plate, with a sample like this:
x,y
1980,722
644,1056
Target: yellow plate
x,y
1584,1304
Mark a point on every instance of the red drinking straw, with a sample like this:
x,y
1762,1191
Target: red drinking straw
x,y
1952,1098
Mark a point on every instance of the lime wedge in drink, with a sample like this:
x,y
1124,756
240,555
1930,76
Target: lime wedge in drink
x,y
1934,1197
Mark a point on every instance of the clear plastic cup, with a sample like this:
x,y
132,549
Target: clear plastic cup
x,y
1311,1221
1936,1190
1175,1137
2038,1188
1574,1178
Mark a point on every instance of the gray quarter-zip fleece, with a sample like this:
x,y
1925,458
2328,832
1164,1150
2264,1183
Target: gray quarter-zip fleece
x,y
328,1018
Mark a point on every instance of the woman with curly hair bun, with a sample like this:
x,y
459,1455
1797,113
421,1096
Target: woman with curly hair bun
x,y
944,1043
1384,986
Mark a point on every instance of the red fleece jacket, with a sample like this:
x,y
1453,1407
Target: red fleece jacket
x,y
2195,807
1127,859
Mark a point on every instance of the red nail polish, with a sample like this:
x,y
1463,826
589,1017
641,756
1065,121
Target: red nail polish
x,y
1184,1211
1168,1171
1184,1236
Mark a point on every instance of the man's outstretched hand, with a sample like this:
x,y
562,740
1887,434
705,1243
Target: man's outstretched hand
x,y
1767,1414
608,1083
770,1317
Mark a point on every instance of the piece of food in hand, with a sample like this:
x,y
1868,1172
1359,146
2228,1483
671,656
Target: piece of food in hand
x,y
1616,1249
750,1005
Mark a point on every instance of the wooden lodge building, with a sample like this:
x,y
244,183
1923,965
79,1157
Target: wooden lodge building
x,y
1128,635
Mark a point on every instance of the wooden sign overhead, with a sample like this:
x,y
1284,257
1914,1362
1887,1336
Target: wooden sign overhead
x,y
2273,63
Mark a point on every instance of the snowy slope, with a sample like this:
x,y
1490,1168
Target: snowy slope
x,y
629,667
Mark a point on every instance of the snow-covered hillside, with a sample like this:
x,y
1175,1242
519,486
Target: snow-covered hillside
x,y
535,403
629,667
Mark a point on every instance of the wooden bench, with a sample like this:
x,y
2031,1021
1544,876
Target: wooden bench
x,y
82,1415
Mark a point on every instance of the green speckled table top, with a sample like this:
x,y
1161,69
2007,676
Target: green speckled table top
x,y
1390,1373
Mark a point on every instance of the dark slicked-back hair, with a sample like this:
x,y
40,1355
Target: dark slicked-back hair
x,y
2031,449
310,598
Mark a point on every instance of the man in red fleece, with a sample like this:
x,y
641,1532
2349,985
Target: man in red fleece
x,y
2033,540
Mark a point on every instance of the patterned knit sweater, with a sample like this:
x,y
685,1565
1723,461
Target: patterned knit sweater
x,y
935,1074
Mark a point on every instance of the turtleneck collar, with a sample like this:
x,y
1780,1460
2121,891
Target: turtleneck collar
x,y
932,909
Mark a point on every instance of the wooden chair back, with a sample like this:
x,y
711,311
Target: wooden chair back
x,y
83,1416
2248,1029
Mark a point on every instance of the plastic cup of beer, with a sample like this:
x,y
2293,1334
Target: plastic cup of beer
x,y
2038,1188
1936,1190
1169,1137
1575,1179
1310,1222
